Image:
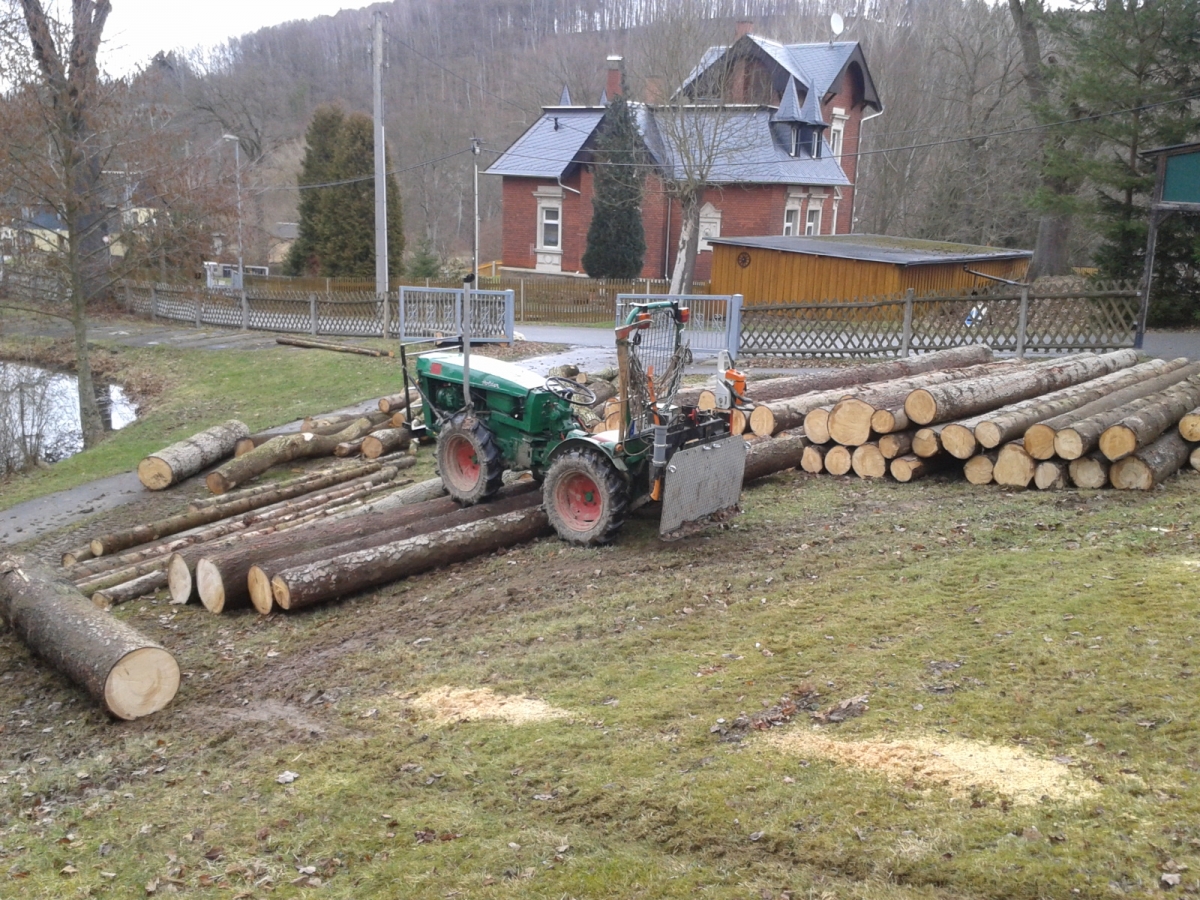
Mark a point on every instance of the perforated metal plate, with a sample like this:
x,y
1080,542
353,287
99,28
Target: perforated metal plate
x,y
701,482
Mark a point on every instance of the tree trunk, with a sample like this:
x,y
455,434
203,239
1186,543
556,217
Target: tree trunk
x,y
329,345
958,400
838,460
691,198
910,468
1083,436
868,462
220,578
1150,465
771,455
389,440
128,674
1014,467
813,459
306,585
284,448
1011,422
1144,426
185,458
980,468
1050,475
130,590
895,444
1089,471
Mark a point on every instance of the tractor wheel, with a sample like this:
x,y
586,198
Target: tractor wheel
x,y
469,460
585,497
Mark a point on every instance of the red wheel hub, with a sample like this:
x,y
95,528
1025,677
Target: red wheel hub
x,y
578,501
462,463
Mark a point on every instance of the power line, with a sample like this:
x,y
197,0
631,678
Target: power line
x,y
361,178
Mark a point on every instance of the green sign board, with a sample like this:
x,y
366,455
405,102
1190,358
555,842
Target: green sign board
x,y
1182,182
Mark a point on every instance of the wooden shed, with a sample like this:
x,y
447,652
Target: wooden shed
x,y
845,267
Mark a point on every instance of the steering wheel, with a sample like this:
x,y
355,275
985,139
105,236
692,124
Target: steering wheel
x,y
571,391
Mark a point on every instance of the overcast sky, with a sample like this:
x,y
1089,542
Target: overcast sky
x,y
137,29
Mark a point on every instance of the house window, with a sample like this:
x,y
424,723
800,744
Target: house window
x,y
710,226
816,143
812,224
794,149
835,140
550,234
791,221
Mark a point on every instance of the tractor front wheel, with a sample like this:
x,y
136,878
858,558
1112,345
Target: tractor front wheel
x,y
586,499
469,460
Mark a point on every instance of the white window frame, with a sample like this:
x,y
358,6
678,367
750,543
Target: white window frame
x,y
544,213
548,258
791,221
837,133
812,227
710,226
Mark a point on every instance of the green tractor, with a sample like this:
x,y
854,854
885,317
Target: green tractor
x,y
512,418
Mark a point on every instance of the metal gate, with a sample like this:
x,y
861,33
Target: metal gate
x,y
715,323
437,313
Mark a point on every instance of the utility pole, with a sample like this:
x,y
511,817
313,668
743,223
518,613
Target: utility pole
x,y
475,142
381,241
237,174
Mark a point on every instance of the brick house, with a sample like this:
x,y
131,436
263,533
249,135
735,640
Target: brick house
x,y
793,112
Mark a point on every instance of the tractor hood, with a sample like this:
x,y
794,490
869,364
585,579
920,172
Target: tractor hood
x,y
493,374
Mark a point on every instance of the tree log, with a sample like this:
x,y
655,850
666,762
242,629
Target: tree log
x,y
1014,467
887,421
816,425
394,403
980,468
1010,422
1040,438
329,345
1189,426
220,577
850,422
254,491
78,555
958,400
1084,435
927,442
868,462
130,590
1152,464
334,424
604,390
895,444
389,440
910,468
306,585
1089,471
838,460
430,489
770,455
284,448
1144,426
813,459
349,448
1050,475
185,458
128,674
1194,459
738,421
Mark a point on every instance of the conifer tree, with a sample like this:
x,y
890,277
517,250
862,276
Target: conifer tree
x,y
317,168
616,240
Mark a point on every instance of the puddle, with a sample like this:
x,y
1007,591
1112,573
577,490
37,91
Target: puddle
x,y
39,415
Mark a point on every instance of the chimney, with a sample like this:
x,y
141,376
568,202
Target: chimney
x,y
616,74
744,27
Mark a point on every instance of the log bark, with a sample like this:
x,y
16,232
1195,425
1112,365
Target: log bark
x,y
813,459
1040,438
605,391
1083,436
304,586
234,496
220,578
129,590
838,460
1150,465
898,443
767,456
1089,471
868,462
349,448
1189,426
389,440
129,675
1145,426
78,555
430,489
336,348
185,458
334,424
1014,467
394,403
284,448
910,468
959,400
980,468
1011,422
1050,475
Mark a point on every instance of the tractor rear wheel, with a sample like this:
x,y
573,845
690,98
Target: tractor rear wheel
x,y
469,461
585,497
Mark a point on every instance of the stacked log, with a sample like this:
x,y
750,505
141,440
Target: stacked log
x,y
185,458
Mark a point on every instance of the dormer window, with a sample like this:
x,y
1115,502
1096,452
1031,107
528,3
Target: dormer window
x,y
794,149
816,143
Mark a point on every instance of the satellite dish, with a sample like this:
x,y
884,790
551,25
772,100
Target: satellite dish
x,y
836,24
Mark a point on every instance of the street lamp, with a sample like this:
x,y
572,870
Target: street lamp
x,y
237,169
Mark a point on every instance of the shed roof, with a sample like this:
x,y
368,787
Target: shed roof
x,y
878,248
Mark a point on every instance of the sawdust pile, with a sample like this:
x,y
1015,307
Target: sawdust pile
x,y
447,704
958,766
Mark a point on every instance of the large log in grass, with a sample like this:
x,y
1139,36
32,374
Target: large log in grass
x,y
126,673
868,462
185,458
1089,471
979,468
378,443
769,455
961,399
1151,464
1051,475
1014,467
304,586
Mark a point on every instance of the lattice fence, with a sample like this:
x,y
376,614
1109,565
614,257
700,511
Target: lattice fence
x,y
1102,317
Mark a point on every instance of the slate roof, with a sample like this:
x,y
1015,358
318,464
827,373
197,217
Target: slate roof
x,y
878,248
550,144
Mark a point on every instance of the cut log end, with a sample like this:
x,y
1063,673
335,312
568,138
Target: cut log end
x,y
1118,442
1050,475
242,447
816,425
1089,472
143,682
154,473
988,434
1014,467
209,586
1131,474
179,579
1068,444
838,460
850,422
260,591
279,589
737,421
1194,459
707,400
1039,441
959,441
921,407
762,421
813,459
868,462
215,483
883,421
978,469
926,443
